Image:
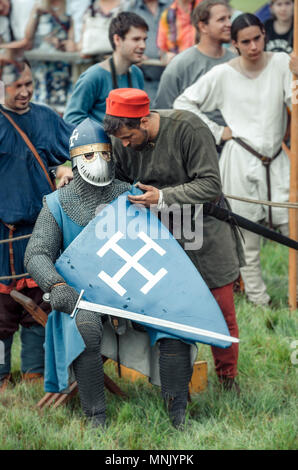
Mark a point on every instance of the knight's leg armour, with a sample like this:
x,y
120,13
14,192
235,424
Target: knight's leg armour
x,y
175,374
88,367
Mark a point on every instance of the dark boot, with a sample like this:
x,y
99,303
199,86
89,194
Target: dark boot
x,y
98,420
230,384
177,409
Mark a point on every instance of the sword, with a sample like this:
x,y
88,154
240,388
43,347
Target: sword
x,y
235,219
146,319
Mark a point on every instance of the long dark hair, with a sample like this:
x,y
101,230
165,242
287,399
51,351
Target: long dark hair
x,y
244,21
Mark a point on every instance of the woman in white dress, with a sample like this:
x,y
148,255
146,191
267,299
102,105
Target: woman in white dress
x,y
252,91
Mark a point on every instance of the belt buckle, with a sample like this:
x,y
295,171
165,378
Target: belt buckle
x,y
266,160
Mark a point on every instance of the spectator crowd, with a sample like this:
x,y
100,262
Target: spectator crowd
x,y
82,27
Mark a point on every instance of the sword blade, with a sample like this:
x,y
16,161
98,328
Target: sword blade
x,y
138,317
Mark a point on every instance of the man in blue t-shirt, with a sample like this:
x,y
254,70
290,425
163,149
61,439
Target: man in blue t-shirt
x,y
127,34
23,183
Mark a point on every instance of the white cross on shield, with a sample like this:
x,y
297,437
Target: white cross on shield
x,y
131,262
75,136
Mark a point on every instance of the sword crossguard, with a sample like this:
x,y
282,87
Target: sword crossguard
x,y
77,304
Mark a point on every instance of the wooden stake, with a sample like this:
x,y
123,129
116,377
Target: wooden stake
x,y
293,213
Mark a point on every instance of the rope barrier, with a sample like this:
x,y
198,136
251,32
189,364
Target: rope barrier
x,y
10,240
284,205
16,276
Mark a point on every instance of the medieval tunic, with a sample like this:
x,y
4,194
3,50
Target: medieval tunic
x,y
255,111
23,183
183,162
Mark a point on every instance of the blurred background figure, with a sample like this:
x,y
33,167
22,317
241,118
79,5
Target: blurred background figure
x,y
49,29
211,19
150,11
280,28
234,12
5,28
10,71
263,13
96,22
176,32
76,10
19,17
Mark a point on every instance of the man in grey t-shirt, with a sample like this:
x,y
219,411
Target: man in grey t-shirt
x,y
212,20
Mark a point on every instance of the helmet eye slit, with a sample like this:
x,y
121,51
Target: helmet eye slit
x,y
89,157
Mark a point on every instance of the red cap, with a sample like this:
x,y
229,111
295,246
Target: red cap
x,y
128,102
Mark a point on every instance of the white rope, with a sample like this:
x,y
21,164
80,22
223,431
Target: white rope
x,y
286,205
21,237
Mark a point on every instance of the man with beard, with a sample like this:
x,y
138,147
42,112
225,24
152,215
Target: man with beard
x,y
173,154
23,183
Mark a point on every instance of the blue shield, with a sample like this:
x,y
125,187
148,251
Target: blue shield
x,y
127,259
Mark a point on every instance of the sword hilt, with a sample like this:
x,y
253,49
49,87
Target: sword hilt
x,y
77,304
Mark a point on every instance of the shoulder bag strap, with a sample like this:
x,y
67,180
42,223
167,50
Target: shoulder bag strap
x,y
31,147
114,75
92,8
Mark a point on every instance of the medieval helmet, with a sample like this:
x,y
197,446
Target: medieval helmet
x,y
91,153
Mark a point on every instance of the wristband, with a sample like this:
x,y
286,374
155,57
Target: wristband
x,y
57,284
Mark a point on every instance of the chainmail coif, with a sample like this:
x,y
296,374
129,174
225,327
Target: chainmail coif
x,y
80,199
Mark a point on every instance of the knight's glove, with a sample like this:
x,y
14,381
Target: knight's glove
x,y
63,298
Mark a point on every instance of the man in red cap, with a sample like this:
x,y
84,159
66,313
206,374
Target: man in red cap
x,y
173,154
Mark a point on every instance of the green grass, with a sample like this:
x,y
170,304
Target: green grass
x,y
265,416
248,5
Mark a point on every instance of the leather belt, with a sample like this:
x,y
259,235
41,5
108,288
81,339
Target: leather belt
x,y
266,161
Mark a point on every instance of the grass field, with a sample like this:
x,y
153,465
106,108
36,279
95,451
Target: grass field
x,y
264,417
248,5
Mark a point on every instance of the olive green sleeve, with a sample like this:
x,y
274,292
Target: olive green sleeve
x,y
200,159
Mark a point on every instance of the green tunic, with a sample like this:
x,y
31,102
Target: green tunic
x,y
183,162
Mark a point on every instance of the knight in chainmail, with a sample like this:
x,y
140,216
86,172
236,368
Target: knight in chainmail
x,y
64,214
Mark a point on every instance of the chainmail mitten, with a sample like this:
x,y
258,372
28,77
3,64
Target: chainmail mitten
x,y
88,367
63,298
175,374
